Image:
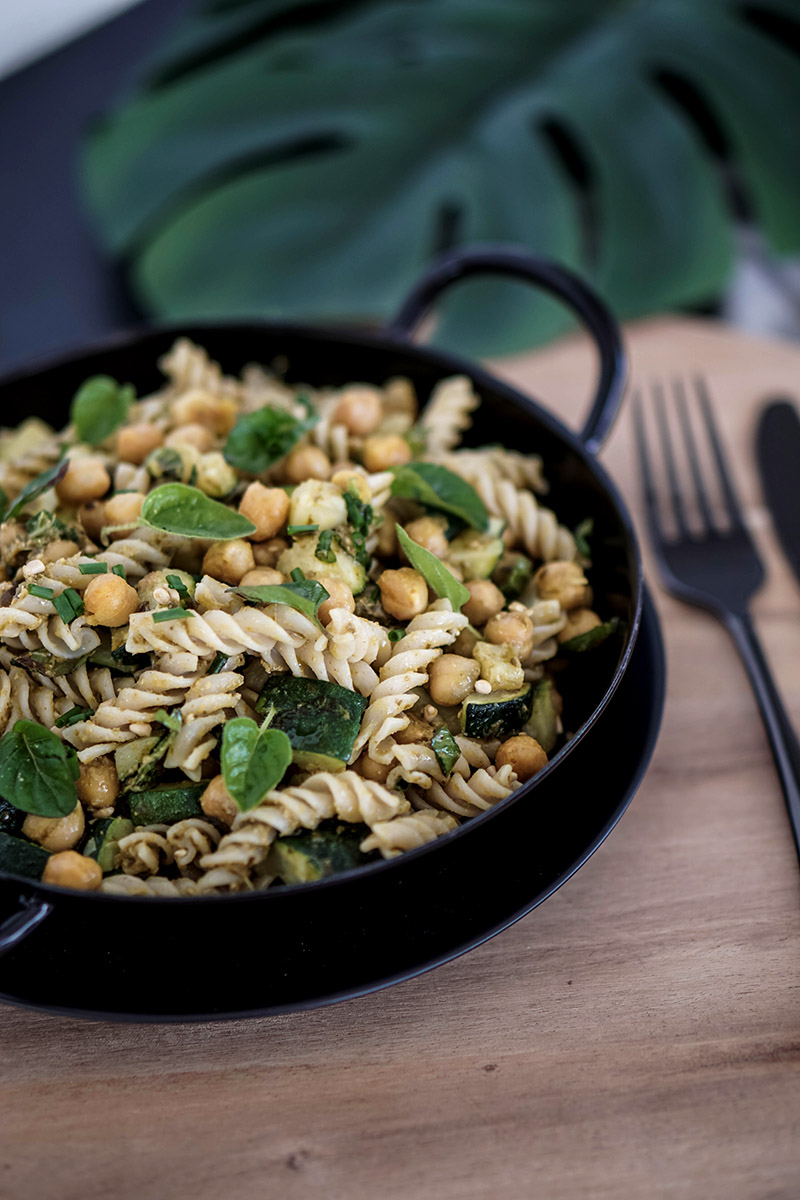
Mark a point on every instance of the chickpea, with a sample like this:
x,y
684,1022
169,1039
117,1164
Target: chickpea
x,y
192,434
451,678
135,442
579,620
360,409
85,479
98,786
61,548
92,517
229,561
56,833
564,582
380,453
306,462
404,593
109,600
217,413
267,553
217,802
414,731
428,532
523,754
340,597
465,643
72,870
262,577
124,508
267,508
485,601
369,769
347,478
513,629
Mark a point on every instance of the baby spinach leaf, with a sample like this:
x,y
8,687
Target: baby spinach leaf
x,y
38,771
40,484
434,572
100,406
582,534
446,749
253,760
188,512
305,595
261,438
442,490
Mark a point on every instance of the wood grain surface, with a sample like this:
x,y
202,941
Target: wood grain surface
x,y
637,1036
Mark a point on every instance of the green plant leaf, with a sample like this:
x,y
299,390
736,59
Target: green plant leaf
x,y
305,595
593,637
253,760
435,573
226,184
34,489
38,771
437,487
260,439
100,406
188,512
446,749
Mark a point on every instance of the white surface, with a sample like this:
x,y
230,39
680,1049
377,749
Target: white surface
x,y
30,28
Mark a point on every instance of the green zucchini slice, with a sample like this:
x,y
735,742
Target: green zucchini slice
x,y
543,721
19,857
104,837
496,715
307,856
477,554
320,719
166,804
592,637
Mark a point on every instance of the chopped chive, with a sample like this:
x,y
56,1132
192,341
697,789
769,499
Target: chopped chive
x,y
93,568
297,575
323,551
119,570
176,582
396,634
68,605
36,589
293,530
217,664
73,716
171,614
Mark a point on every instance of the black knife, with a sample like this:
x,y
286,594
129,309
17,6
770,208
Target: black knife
x,y
778,454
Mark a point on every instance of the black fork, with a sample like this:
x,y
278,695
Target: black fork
x,y
715,565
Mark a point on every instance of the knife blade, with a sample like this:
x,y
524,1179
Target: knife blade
x,y
778,455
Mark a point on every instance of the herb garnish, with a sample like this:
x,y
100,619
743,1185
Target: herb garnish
x,y
446,749
305,595
186,511
260,439
34,489
100,406
72,717
254,759
323,551
438,488
68,605
38,771
434,572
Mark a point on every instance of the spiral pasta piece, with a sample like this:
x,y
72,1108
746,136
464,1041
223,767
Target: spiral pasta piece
x,y
447,414
408,832
523,470
535,526
467,797
191,839
145,851
155,885
208,705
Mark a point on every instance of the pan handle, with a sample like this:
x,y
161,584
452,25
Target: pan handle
x,y
15,928
485,259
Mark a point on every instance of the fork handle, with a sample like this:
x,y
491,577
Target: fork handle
x,y
782,738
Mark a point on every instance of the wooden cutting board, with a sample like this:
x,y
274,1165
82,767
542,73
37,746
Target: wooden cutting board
x,y
638,1036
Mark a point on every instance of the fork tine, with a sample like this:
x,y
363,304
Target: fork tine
x,y
675,493
646,471
726,483
691,453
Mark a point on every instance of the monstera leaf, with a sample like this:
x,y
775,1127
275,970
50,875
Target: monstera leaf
x,y
307,160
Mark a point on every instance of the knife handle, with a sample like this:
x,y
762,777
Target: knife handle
x,y
782,738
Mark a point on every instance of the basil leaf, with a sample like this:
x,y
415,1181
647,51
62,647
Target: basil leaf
x,y
38,771
434,572
440,489
40,484
446,749
188,512
253,760
582,534
260,439
100,406
306,595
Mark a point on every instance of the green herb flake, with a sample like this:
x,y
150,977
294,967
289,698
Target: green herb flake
x,y
260,439
171,614
446,749
93,568
73,716
217,663
359,513
442,490
396,634
324,552
434,572
254,760
38,771
119,570
297,575
99,407
180,587
295,530
305,595
186,511
172,721
34,489
68,605
44,593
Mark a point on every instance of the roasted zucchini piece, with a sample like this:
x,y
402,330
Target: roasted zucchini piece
x,y
513,574
320,719
166,804
307,856
496,715
20,857
477,554
543,721
103,841
303,554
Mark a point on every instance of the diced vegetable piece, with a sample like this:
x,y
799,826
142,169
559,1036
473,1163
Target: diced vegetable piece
x,y
513,574
303,554
166,804
138,763
500,666
497,715
320,719
476,554
305,857
543,721
316,502
19,857
104,838
592,637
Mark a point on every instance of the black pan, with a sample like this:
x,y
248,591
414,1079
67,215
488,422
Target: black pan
x,y
294,947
